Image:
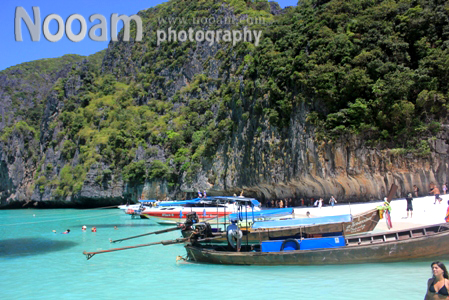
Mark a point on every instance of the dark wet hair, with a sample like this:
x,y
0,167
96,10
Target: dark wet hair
x,y
442,267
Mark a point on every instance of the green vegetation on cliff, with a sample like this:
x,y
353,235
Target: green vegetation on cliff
x,y
375,68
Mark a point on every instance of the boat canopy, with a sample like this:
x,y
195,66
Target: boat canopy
x,y
303,221
147,201
264,213
223,199
251,201
179,203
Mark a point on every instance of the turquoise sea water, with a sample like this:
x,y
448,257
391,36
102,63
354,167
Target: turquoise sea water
x,y
36,263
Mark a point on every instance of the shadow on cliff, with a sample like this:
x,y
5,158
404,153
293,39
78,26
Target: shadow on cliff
x,y
15,248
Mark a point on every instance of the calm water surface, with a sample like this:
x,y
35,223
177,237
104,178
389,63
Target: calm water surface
x,y
36,263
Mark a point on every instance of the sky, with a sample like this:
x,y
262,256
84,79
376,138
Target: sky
x,y
13,52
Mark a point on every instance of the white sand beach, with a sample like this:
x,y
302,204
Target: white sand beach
x,y
424,212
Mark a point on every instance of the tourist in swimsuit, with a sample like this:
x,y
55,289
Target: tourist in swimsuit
x,y
436,191
416,190
438,285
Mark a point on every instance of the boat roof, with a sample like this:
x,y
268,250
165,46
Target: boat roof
x,y
264,213
179,203
147,201
252,201
303,221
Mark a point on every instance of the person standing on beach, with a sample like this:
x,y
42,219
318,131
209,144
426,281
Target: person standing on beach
x,y
332,201
416,190
436,191
409,199
444,188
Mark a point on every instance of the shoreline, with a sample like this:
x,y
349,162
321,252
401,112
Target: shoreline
x,y
424,212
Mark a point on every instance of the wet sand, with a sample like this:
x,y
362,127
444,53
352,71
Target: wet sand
x,y
424,212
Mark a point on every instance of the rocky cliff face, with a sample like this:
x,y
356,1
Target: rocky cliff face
x,y
54,166
268,167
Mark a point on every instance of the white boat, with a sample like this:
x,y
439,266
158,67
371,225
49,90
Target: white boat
x,y
136,209
206,208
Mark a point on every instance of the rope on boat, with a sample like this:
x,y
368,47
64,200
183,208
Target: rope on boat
x,y
181,258
102,207
61,219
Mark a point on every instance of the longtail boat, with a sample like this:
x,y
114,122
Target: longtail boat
x,y
412,244
306,227
256,232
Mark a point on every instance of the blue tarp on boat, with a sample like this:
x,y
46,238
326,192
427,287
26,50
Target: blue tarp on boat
x,y
263,213
305,244
303,221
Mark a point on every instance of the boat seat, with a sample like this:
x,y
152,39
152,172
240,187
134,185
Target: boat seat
x,y
420,232
405,235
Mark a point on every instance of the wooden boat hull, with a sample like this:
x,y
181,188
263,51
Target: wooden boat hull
x,y
363,222
422,243
360,223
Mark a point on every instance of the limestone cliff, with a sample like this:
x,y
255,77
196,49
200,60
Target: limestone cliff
x,y
165,120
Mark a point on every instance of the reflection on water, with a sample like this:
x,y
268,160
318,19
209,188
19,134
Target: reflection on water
x,y
32,246
38,264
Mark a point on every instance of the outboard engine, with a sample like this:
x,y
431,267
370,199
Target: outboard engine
x,y
204,230
191,218
234,236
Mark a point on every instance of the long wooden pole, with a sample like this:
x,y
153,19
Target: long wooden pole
x,y
393,189
145,234
156,232
89,255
